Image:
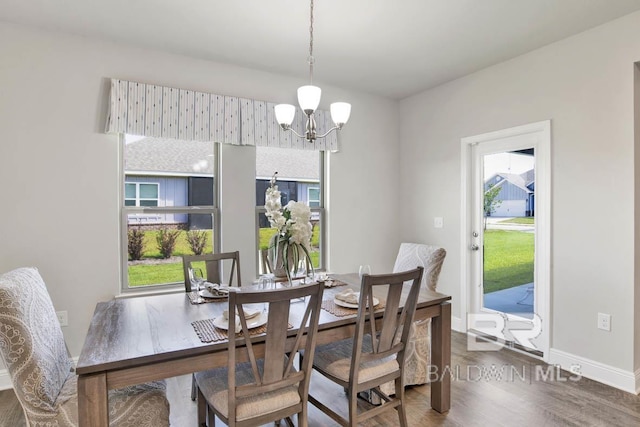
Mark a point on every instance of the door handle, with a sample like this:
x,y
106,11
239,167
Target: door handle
x,y
474,247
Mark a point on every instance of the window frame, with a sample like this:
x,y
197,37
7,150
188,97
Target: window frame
x,y
260,210
125,211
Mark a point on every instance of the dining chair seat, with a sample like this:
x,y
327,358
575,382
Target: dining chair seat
x,y
214,383
335,359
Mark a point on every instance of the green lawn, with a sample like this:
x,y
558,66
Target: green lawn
x,y
508,259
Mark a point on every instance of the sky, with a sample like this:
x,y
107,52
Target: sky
x,y
507,163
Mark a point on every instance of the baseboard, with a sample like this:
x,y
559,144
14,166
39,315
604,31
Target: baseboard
x,y
624,380
5,379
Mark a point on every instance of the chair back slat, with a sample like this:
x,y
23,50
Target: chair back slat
x,y
275,346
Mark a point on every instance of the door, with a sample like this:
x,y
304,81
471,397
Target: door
x,y
506,244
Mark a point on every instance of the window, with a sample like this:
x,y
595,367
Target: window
x,y
140,194
313,197
300,178
169,208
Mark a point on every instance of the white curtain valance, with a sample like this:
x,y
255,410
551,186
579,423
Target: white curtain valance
x,y
164,112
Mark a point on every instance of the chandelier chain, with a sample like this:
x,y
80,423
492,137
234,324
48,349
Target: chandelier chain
x,y
311,59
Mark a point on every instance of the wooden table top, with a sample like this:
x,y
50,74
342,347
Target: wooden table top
x,y
129,332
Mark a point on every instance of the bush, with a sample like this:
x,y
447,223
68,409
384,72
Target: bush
x,y
197,241
167,241
136,243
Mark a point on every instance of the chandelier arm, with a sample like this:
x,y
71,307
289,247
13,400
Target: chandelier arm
x,y
329,131
293,130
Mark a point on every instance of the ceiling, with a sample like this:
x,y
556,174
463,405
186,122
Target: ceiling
x,y
393,48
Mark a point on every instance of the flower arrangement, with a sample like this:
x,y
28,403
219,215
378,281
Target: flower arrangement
x,y
292,243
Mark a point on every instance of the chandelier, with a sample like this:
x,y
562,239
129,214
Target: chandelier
x,y
309,99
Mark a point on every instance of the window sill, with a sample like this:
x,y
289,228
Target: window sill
x,y
150,292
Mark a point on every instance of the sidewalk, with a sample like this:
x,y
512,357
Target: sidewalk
x,y
494,223
517,300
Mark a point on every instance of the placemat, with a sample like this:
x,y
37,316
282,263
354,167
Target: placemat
x,y
207,332
337,310
193,298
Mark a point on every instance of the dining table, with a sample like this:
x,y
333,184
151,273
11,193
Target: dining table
x,y
146,338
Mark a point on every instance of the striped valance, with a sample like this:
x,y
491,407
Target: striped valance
x,y
164,112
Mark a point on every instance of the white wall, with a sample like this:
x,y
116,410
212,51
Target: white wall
x,y
584,84
53,99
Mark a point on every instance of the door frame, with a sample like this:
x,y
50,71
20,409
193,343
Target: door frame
x,y
542,274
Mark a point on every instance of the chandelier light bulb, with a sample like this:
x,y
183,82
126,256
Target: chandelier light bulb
x,y
285,114
309,98
340,112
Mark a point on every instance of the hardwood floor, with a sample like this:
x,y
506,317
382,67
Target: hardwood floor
x,y
502,388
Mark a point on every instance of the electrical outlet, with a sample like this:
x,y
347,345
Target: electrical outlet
x,y
604,321
63,318
575,369
438,222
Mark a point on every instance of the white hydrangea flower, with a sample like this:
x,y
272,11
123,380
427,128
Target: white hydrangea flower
x,y
293,221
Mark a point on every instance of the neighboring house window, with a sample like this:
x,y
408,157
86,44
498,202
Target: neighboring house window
x,y
140,194
300,178
313,197
169,208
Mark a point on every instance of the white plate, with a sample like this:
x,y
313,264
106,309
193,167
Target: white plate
x,y
205,293
341,303
223,323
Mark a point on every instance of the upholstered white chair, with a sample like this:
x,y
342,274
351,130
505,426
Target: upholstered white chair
x,y
33,349
412,255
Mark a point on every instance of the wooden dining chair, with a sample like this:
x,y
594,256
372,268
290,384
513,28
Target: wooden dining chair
x,y
220,268
33,349
376,354
215,266
260,383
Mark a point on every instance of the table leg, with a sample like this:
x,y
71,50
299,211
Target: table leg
x,y
441,359
93,405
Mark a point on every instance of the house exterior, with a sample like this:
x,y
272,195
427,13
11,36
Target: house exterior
x,y
298,177
164,172
517,194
